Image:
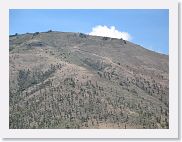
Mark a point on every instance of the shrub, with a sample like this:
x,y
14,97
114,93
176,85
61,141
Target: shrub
x,y
36,33
49,31
105,38
82,35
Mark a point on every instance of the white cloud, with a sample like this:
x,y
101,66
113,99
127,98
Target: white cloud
x,y
112,32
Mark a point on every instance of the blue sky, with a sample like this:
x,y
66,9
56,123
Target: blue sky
x,y
149,28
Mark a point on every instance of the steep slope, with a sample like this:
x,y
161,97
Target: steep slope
x,y
73,80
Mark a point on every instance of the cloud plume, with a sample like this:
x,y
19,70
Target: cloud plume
x,y
112,32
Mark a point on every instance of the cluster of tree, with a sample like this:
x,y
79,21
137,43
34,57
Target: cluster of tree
x,y
85,105
149,86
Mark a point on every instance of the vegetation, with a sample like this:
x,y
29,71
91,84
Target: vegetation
x,y
69,85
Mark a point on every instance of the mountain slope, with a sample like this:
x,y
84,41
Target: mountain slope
x,y
73,80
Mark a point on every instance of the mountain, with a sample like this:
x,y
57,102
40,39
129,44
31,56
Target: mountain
x,y
75,81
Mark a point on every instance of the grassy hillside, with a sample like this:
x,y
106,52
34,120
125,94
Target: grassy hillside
x,y
72,80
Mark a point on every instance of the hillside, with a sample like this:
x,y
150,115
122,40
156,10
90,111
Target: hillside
x,y
73,80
